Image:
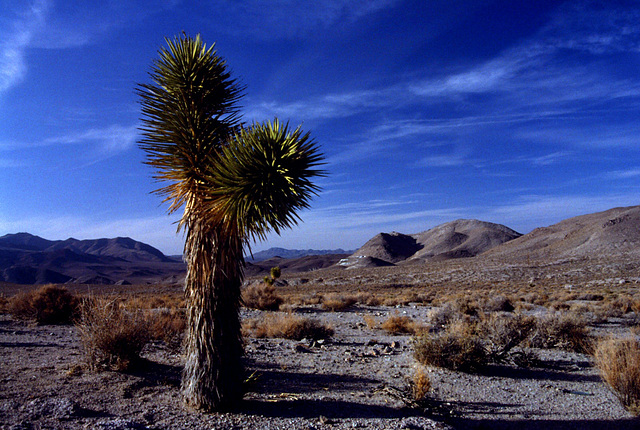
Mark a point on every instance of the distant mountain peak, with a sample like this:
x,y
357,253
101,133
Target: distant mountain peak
x,y
291,253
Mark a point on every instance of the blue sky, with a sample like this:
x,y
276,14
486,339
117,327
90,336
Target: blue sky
x,y
522,113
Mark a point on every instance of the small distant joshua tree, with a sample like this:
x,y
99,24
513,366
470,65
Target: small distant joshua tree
x,y
236,184
273,275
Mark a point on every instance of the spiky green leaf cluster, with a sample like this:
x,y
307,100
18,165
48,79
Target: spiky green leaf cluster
x,y
188,110
245,181
263,178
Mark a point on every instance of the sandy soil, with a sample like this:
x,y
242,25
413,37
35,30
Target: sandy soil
x,y
350,382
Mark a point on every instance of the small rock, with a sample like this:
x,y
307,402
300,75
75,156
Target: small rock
x,y
299,347
324,420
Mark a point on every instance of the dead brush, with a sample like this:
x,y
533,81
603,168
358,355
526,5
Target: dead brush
x,y
49,304
3,303
370,321
458,347
112,337
618,360
169,326
338,302
261,296
368,299
498,303
399,324
502,332
561,330
286,326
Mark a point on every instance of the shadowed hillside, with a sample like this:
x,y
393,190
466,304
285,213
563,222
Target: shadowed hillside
x,y
612,232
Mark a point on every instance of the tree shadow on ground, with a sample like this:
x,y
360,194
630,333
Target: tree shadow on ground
x,y
152,373
314,408
528,424
504,371
273,381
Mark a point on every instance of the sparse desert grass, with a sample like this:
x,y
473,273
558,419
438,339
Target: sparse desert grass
x,y
112,337
168,325
262,296
157,301
286,326
338,302
561,330
420,384
368,299
618,360
502,332
498,303
399,324
3,303
49,304
458,347
370,321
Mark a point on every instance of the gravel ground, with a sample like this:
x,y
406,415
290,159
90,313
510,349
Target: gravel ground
x,y
349,382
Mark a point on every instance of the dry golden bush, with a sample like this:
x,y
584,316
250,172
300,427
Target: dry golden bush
x,y
368,299
619,362
112,337
399,324
338,302
561,330
3,303
420,384
458,347
20,306
49,304
168,326
148,301
498,303
502,332
261,296
370,321
286,326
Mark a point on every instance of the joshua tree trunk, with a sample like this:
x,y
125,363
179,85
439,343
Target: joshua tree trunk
x,y
213,372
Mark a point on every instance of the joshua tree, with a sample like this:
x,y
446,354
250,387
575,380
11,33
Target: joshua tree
x,y
236,184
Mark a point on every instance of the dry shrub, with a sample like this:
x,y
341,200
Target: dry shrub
x,y
20,306
565,331
444,316
370,321
499,303
165,301
168,326
619,362
503,332
261,296
287,326
112,337
3,303
338,302
47,305
466,306
456,348
420,384
397,324
368,299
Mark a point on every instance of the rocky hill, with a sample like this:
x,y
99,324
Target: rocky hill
x,y
29,259
456,239
612,232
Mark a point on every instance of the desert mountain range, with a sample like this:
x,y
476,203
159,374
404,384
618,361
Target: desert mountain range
x,y
29,259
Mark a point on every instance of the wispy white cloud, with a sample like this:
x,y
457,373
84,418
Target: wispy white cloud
x,y
110,140
587,135
17,34
623,174
458,157
291,18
